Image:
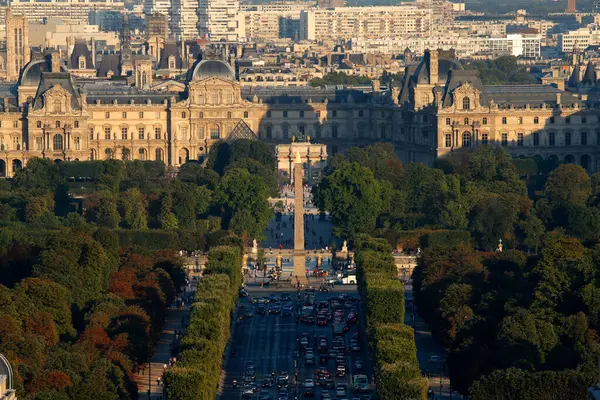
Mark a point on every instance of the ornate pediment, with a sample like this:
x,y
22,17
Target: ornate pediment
x,y
57,100
462,93
215,91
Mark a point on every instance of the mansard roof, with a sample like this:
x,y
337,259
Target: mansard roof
x,y
51,79
80,49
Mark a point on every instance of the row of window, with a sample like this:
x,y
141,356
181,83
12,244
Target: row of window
x,y
317,113
183,115
467,139
125,134
285,131
536,120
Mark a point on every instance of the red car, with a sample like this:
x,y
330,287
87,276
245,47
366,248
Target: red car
x,y
321,321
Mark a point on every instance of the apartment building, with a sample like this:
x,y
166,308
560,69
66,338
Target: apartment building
x,y
364,22
578,39
70,11
218,19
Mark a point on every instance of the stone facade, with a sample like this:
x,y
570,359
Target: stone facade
x,y
439,110
527,120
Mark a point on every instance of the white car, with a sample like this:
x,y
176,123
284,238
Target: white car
x,y
340,390
309,383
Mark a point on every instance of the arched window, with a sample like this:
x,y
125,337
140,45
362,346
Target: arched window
x,y
57,124
361,128
448,140
504,139
214,132
57,106
567,138
466,103
142,153
159,154
466,139
285,130
484,138
57,142
77,143
551,138
269,131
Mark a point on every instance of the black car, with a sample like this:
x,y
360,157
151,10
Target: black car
x,y
261,310
274,310
267,382
286,297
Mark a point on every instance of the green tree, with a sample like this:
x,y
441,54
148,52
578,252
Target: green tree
x,y
76,262
134,209
492,218
243,199
107,214
40,176
353,197
167,218
568,185
38,206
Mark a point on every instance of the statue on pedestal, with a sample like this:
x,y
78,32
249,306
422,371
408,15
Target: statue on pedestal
x,y
499,245
254,246
345,247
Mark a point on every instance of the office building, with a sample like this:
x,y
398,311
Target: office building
x,y
579,39
184,19
364,22
69,11
218,19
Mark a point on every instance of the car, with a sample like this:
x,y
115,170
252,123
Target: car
x,y
351,319
264,395
309,388
325,395
435,359
244,293
286,297
249,390
309,359
355,346
308,319
248,313
348,304
274,310
321,321
287,310
340,390
267,383
261,310
340,370
282,382
329,383
358,364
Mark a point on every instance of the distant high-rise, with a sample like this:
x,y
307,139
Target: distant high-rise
x,y
218,19
17,44
331,3
157,25
184,19
571,6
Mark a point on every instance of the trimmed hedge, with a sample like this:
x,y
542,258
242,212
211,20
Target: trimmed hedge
x,y
397,372
445,239
200,360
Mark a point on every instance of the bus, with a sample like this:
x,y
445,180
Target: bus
x,y
360,383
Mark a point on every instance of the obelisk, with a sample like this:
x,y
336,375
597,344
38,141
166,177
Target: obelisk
x,y
299,254
298,204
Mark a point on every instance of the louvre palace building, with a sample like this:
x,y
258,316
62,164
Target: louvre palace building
x,y
57,112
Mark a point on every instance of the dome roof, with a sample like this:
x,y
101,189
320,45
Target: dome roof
x,y
213,68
